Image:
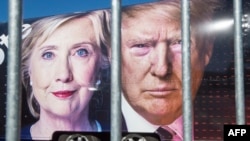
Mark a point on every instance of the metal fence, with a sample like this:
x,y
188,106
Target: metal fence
x,y
14,85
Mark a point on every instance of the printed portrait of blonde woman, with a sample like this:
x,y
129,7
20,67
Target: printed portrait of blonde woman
x,y
62,58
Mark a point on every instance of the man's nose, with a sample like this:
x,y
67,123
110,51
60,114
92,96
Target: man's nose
x,y
63,71
160,62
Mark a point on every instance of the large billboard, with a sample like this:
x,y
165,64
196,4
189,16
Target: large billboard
x,y
66,71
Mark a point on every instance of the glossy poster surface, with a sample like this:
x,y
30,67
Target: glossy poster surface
x,y
66,72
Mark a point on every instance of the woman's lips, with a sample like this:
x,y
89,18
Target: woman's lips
x,y
63,94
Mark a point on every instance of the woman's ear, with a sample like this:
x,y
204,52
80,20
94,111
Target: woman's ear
x,y
29,71
30,77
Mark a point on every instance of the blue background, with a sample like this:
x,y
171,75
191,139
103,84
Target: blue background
x,y
39,8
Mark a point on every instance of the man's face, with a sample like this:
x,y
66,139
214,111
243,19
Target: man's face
x,y
152,67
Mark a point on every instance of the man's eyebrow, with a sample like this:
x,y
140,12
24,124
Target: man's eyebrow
x,y
174,35
140,40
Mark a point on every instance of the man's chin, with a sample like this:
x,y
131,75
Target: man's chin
x,y
160,118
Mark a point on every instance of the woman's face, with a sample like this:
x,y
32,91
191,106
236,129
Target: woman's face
x,y
63,67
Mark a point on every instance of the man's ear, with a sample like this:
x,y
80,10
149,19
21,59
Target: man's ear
x,y
208,54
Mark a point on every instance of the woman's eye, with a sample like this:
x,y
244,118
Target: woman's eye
x,y
82,52
48,55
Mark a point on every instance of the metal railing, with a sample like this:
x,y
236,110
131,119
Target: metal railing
x,y
116,71
238,59
186,71
13,119
14,86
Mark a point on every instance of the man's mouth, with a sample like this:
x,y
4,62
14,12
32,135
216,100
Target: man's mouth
x,y
160,92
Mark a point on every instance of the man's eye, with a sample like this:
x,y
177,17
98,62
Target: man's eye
x,y
140,49
82,52
140,45
176,45
48,55
177,42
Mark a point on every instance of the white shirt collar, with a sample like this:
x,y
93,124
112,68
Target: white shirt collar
x,y
177,127
136,123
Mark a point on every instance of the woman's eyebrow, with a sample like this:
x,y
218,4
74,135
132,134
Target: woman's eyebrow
x,y
47,47
84,43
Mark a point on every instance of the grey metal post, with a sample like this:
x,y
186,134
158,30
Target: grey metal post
x,y
238,59
186,79
116,71
13,119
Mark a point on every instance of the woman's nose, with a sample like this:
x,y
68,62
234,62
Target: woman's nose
x,y
63,71
160,63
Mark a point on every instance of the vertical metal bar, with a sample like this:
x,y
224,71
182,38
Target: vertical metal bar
x,y
238,57
116,71
186,79
13,119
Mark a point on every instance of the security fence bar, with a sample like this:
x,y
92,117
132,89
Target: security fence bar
x,y
186,87
238,60
13,119
13,109
116,71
